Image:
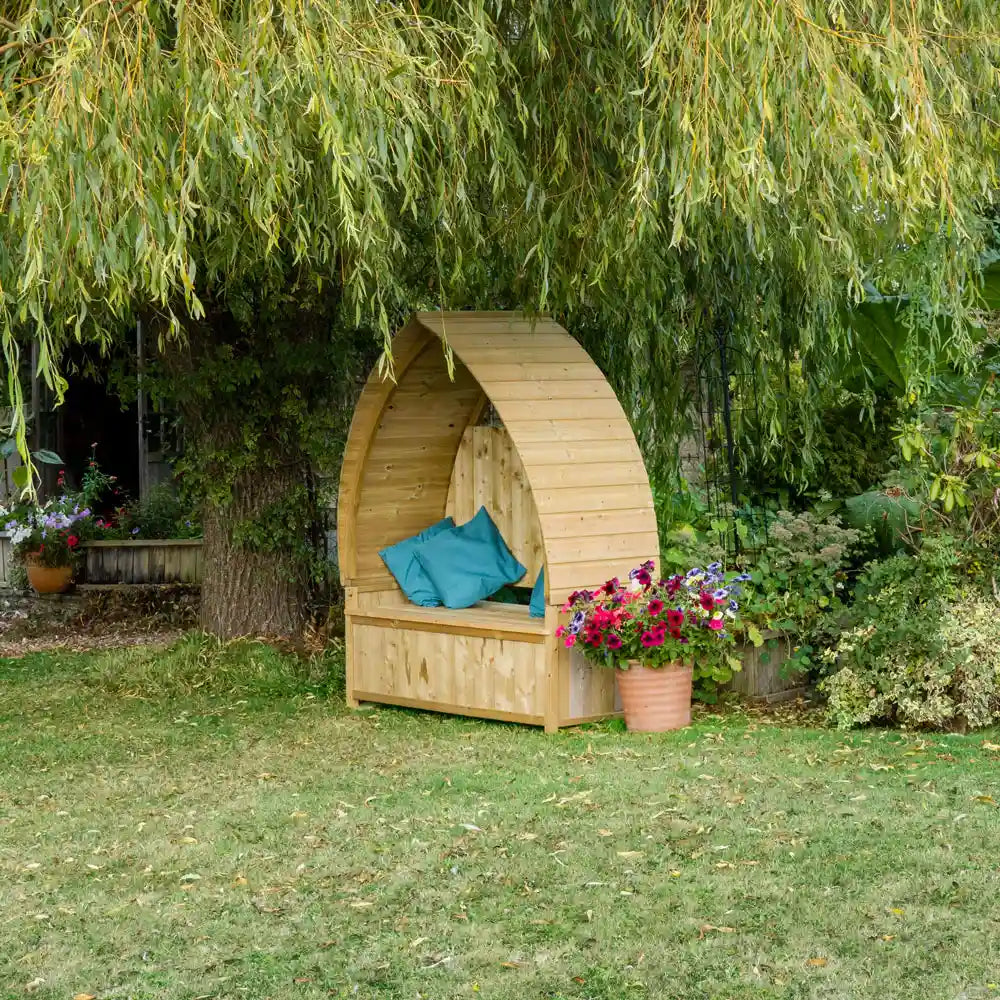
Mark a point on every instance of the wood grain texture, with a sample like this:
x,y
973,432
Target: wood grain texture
x,y
159,561
488,472
563,479
470,674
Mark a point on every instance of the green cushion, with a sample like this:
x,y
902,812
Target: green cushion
x,y
409,574
468,563
537,607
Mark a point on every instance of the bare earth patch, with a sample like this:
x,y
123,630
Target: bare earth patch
x,y
95,619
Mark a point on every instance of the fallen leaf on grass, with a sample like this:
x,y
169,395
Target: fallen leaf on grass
x,y
817,963
301,979
631,854
708,928
995,747
511,965
604,833
988,799
34,984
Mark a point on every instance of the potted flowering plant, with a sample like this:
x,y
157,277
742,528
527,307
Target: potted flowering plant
x,y
654,634
46,539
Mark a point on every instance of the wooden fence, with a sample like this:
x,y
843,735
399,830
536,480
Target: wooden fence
x,y
168,560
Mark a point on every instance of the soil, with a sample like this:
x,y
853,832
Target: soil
x,y
95,619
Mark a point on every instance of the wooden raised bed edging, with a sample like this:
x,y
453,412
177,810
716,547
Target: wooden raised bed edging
x,y
761,678
153,561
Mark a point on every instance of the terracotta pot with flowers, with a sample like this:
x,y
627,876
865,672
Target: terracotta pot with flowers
x,y
653,634
46,539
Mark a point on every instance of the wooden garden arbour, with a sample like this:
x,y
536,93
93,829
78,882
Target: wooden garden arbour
x,y
562,477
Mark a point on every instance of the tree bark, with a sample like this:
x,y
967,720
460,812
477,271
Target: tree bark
x,y
246,590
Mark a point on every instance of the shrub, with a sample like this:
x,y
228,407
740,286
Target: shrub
x,y
922,648
163,514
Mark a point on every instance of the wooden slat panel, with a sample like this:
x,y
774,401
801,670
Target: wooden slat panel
x,y
485,614
405,481
607,408
524,430
488,473
586,477
482,359
432,669
568,500
568,577
592,690
578,389
551,336
517,372
616,548
464,479
587,524
549,453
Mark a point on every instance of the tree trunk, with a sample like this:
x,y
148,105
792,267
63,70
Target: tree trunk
x,y
247,589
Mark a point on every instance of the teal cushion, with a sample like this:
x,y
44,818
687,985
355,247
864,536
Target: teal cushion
x,y
409,574
468,563
537,607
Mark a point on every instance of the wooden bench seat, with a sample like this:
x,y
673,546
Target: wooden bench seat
x,y
487,619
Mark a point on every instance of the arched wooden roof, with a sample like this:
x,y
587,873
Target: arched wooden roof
x,y
578,451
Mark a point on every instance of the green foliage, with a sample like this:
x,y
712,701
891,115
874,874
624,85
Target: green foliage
x,y
813,438
568,157
921,648
799,573
798,563
951,462
889,514
163,514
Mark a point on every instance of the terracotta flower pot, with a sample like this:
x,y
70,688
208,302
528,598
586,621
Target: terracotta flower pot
x,y
48,579
655,701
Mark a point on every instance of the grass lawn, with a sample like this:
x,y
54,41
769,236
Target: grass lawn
x,y
204,824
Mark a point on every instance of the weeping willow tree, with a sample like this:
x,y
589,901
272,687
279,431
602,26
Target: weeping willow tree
x,y
259,179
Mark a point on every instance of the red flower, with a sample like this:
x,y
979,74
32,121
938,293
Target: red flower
x,y
611,586
716,624
675,633
675,618
652,639
72,541
655,606
707,601
614,641
643,577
